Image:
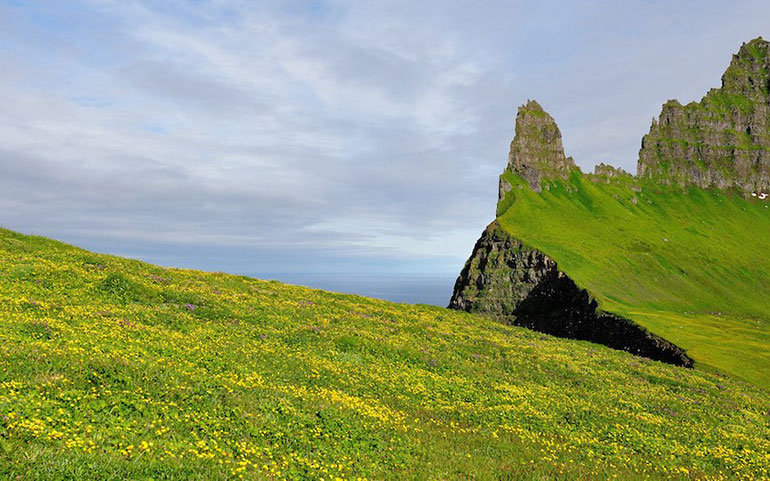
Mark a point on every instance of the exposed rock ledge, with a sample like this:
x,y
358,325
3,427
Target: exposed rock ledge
x,y
523,286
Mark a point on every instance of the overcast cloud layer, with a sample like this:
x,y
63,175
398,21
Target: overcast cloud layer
x,y
317,136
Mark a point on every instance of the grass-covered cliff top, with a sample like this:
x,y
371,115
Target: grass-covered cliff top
x,y
115,369
691,265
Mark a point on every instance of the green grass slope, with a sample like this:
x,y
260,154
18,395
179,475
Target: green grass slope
x,y
112,368
690,265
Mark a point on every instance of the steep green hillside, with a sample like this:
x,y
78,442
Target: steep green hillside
x,y
691,265
112,368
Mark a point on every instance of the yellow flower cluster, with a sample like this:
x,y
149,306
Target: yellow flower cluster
x,y
137,371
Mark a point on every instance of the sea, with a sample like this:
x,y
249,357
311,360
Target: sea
x,y
433,289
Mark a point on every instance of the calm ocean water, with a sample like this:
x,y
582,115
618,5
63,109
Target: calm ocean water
x,y
413,289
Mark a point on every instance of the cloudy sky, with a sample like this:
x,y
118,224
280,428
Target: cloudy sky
x,y
321,136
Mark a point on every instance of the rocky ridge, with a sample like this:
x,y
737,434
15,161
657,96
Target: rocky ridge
x,y
723,141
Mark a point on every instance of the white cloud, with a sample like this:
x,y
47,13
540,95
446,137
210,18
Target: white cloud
x,y
366,129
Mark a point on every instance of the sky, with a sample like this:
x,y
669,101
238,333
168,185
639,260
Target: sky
x,y
313,137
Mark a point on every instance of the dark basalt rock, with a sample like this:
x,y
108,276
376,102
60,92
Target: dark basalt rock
x,y
522,286
499,275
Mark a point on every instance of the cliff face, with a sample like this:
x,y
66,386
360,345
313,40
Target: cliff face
x,y
723,141
499,275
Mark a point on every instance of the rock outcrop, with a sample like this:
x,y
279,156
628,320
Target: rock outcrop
x,y
609,171
520,285
723,141
499,275
537,151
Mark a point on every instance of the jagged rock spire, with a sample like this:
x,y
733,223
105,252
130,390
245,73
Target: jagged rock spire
x,y
749,71
724,140
536,150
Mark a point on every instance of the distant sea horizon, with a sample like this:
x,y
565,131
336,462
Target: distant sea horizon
x,y
434,289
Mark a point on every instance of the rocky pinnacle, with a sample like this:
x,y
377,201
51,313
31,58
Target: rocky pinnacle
x,y
536,150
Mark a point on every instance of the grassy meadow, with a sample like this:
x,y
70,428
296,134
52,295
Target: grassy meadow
x,y
111,369
691,265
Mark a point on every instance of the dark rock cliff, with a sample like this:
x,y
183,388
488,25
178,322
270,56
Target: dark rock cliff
x,y
723,141
522,286
499,275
